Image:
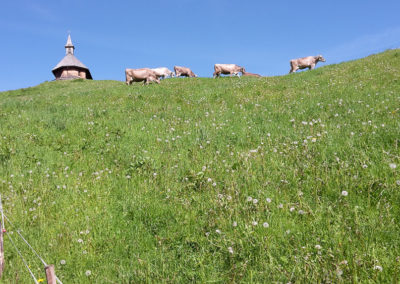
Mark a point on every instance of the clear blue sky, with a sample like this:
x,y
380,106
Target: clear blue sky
x,y
263,36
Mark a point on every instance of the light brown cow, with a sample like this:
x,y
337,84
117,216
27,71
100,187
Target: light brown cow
x,y
227,69
163,72
183,71
305,62
138,75
250,74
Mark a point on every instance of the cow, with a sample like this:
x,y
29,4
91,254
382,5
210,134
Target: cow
x,y
227,69
163,72
183,71
250,74
305,62
138,75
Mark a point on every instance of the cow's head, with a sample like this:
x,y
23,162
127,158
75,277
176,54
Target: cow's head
x,y
242,70
320,58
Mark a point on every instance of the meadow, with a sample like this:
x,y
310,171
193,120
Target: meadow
x,y
257,180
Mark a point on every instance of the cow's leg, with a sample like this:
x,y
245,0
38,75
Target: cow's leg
x,y
293,67
128,80
312,66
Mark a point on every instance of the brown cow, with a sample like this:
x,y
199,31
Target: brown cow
x,y
227,69
183,71
138,75
250,74
305,62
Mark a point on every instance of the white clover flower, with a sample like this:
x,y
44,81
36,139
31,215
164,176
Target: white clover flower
x,y
230,249
292,209
62,262
392,165
364,166
234,224
268,200
398,182
301,212
255,201
249,198
88,272
209,180
265,225
80,241
318,247
345,193
254,223
377,267
218,231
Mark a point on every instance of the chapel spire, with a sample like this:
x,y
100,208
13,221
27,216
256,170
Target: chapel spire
x,y
69,47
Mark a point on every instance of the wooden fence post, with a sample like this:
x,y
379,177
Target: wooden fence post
x,y
2,230
50,274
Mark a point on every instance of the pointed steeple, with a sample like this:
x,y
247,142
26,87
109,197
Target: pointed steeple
x,y
69,47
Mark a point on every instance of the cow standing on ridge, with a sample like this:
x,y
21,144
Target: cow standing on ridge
x,y
183,71
305,62
138,75
231,69
163,72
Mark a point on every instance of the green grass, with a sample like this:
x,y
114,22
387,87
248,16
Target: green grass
x,y
152,183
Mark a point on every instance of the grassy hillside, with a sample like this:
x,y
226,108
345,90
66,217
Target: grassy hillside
x,y
293,178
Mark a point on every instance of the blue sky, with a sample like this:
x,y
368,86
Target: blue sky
x,y
263,36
